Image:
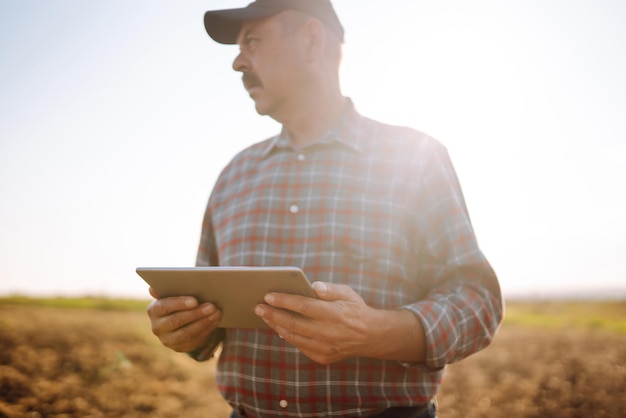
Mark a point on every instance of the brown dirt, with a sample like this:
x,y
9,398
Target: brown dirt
x,y
540,373
87,363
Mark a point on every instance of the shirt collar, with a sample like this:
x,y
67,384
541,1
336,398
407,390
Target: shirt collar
x,y
345,132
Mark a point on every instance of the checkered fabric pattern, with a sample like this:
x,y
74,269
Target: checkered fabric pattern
x,y
373,206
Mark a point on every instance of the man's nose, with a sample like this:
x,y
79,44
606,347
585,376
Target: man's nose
x,y
241,63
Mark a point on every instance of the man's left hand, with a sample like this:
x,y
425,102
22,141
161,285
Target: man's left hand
x,y
334,327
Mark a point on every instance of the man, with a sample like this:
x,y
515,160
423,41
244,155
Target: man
x,y
372,213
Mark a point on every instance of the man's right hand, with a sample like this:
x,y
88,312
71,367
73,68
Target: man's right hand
x,y
181,323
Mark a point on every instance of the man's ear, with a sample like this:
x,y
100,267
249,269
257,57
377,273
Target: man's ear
x,y
315,39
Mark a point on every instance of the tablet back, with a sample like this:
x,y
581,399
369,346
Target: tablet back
x,y
234,290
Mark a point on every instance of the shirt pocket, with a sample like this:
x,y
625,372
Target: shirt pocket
x,y
382,280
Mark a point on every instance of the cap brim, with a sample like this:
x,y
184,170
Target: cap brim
x,y
224,25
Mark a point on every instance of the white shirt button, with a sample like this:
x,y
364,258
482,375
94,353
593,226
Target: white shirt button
x,y
294,209
283,403
301,157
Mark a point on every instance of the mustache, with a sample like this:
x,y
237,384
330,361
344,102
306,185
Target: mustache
x,y
250,80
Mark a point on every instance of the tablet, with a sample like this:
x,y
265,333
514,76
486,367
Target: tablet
x,y
234,290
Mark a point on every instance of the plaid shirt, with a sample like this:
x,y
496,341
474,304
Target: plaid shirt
x,y
373,206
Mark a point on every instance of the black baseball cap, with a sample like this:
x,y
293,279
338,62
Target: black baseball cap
x,y
224,25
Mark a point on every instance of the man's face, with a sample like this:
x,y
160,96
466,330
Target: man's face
x,y
271,64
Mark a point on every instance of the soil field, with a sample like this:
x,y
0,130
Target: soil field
x,y
64,362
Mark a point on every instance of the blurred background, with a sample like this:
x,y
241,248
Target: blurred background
x,y
116,118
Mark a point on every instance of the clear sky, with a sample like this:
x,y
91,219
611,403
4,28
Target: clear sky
x,y
117,116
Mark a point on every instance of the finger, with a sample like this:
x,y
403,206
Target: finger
x,y
311,307
331,291
303,305
167,306
153,293
310,346
180,319
284,321
190,336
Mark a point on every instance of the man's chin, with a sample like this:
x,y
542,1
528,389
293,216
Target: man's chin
x,y
261,111
261,108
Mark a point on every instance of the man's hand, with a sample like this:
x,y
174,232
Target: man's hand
x,y
181,323
341,325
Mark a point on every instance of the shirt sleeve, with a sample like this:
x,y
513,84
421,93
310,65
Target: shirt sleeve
x,y
464,308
